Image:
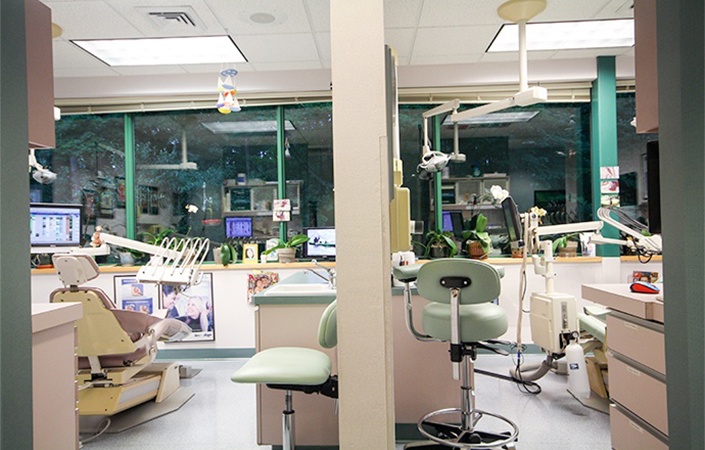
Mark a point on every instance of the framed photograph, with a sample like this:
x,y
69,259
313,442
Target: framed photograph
x,y
134,295
193,306
259,281
250,253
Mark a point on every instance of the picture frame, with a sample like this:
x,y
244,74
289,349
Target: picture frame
x,y
133,295
250,253
120,189
258,281
193,306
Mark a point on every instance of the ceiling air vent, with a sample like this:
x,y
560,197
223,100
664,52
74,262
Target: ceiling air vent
x,y
172,17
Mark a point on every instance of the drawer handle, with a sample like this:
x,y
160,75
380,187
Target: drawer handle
x,y
636,427
632,326
633,371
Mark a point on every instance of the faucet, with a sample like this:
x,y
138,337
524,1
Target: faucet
x,y
331,278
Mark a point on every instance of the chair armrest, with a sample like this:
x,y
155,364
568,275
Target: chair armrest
x,y
171,330
406,274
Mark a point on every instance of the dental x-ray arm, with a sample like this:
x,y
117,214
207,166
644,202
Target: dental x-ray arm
x,y
644,245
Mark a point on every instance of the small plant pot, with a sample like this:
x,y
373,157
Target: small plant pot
x,y
127,259
286,255
569,251
476,251
438,252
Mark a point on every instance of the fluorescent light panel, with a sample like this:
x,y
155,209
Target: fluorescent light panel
x,y
506,117
247,126
566,35
164,51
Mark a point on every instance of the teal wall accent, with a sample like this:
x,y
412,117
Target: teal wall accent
x,y
281,165
15,296
130,206
681,98
604,138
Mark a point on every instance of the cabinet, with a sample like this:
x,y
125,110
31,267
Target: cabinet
x,y
257,199
40,75
468,192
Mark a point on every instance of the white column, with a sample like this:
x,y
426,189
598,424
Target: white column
x,y
361,169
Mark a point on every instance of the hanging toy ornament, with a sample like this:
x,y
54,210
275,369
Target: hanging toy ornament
x,y
227,94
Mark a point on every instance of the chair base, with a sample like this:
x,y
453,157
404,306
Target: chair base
x,y
453,435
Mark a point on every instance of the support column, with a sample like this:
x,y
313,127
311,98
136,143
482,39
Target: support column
x,y
604,138
362,180
130,197
681,119
15,296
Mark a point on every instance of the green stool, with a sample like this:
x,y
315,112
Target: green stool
x,y
461,311
295,369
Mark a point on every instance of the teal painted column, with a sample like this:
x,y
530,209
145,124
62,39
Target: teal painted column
x,y
604,138
130,201
281,165
437,177
681,94
15,294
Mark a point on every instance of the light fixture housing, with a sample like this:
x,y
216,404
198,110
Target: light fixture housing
x,y
576,35
246,126
495,118
164,51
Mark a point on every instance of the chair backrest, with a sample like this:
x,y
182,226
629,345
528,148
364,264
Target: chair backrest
x,y
484,280
328,326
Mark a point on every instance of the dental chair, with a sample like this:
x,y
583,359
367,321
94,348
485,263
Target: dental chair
x,y
116,347
461,311
295,369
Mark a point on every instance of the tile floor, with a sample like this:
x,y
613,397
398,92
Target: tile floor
x,y
222,414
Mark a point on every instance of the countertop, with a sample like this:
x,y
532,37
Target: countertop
x,y
617,296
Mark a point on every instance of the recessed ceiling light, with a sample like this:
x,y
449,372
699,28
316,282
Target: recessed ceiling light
x,y
493,118
566,35
247,126
262,17
164,51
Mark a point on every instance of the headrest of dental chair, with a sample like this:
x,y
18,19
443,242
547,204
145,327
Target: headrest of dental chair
x,y
75,269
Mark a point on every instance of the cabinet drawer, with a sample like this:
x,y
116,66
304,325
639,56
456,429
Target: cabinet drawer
x,y
637,339
638,391
630,432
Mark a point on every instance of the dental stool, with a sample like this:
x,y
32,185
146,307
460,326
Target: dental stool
x,y
295,369
461,311
116,348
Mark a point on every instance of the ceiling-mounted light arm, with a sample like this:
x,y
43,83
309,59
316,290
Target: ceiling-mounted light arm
x,y
523,64
448,106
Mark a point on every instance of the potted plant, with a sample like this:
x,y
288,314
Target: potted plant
x,y
225,254
566,246
478,240
440,244
286,250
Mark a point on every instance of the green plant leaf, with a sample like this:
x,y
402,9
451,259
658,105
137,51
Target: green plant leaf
x,y
296,240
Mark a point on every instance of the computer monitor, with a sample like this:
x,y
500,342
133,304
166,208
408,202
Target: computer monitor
x,y
238,227
54,227
513,220
321,243
453,222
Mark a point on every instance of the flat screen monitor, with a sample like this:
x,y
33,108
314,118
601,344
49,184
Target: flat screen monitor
x,y
54,226
653,186
321,243
238,227
513,220
453,222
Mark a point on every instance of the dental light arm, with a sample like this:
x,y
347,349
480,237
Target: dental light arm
x,y
645,245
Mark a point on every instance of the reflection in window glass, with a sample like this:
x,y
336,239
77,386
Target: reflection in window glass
x,y
410,143
632,160
226,165
308,150
89,160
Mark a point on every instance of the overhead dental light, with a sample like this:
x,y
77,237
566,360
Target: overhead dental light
x,y
41,174
185,164
518,11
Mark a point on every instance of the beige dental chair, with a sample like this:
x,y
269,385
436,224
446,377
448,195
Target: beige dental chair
x,y
116,348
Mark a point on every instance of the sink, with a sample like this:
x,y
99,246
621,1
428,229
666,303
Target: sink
x,y
299,289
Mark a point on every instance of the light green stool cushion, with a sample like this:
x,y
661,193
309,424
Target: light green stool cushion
x,y
477,322
285,365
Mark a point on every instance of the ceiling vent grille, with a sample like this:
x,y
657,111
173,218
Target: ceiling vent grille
x,y
172,17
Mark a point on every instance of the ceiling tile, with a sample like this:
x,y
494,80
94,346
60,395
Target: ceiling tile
x,y
178,18
445,59
449,13
319,14
90,20
323,45
149,70
588,53
514,56
402,13
235,16
278,47
453,40
216,68
287,65
402,41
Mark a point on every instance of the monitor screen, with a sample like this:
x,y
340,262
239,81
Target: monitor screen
x,y
54,225
238,227
512,219
453,222
321,242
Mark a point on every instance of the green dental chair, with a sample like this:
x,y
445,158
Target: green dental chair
x,y
295,369
461,311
